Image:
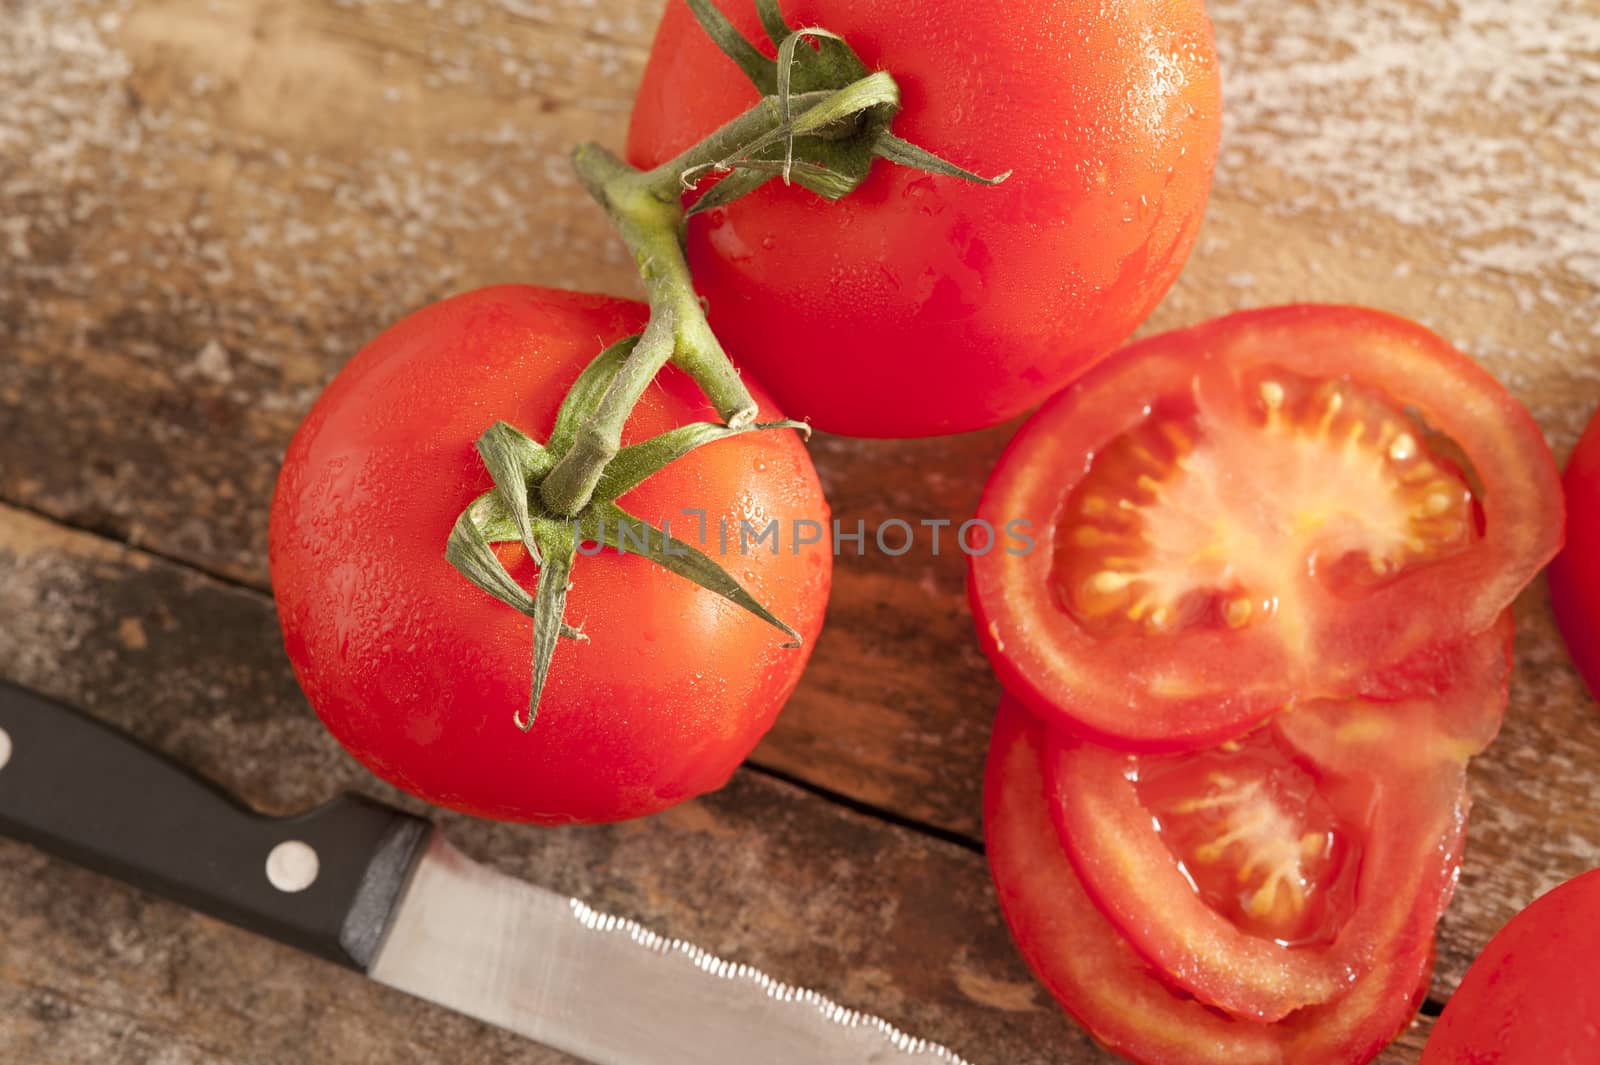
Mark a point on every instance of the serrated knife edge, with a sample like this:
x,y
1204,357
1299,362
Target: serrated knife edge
x,y
608,989
380,891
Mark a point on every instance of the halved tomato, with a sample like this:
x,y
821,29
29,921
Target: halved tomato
x,y
1293,503
1264,876
1103,982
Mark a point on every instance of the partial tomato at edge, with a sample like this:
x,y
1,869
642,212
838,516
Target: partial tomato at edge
x,y
1575,574
922,305
1260,876
1291,503
422,676
1099,979
1533,995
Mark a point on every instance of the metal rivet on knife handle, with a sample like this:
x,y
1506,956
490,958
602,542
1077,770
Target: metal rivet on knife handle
x,y
5,747
135,814
292,866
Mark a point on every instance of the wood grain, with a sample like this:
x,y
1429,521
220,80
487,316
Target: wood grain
x,y
185,238
878,917
205,208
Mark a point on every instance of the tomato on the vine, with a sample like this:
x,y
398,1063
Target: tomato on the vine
x,y
1100,979
1281,505
1533,995
423,677
1575,574
922,305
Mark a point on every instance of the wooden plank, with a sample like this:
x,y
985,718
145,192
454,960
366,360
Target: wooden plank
x,y
879,917
209,257
184,257
1535,822
190,253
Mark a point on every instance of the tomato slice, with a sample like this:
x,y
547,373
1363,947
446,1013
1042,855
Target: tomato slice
x,y
1102,981
1292,503
1263,876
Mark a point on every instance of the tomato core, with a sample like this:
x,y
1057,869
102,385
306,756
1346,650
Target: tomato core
x,y
1345,491
1254,837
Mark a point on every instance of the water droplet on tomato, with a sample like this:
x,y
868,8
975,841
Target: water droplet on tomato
x,y
726,240
924,193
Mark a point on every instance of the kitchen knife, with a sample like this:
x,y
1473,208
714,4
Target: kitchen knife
x,y
377,890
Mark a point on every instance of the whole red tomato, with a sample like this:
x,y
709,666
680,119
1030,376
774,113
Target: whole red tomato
x,y
1575,574
921,305
1533,995
422,676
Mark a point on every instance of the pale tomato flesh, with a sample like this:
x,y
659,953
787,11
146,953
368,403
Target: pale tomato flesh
x,y
1265,875
1253,835
1288,504
1113,991
1343,493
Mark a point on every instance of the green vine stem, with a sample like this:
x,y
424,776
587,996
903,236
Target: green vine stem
x,y
646,207
821,123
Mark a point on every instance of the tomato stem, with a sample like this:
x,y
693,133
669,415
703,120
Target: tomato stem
x,y
646,207
821,123
822,120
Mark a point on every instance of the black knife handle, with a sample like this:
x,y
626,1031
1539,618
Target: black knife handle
x,y
88,793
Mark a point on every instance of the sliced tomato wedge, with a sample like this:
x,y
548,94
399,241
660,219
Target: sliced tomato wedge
x,y
1112,991
1295,503
1264,876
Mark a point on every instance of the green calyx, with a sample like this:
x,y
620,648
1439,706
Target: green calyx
x,y
835,114
822,121
513,512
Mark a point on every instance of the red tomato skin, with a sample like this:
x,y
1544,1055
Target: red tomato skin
x,y
419,674
1411,851
1533,995
923,305
1098,978
1575,573
1398,642
1397,780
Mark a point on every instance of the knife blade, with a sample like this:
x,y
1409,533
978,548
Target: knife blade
x,y
377,890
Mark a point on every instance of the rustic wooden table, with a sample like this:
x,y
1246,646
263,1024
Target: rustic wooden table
x,y
205,207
